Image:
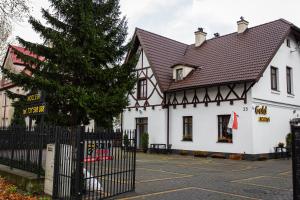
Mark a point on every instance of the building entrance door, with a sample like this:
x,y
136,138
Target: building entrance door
x,y
141,127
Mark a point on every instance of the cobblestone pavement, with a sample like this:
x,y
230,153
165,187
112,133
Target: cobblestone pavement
x,y
175,177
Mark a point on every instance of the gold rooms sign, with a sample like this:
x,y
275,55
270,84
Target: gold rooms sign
x,y
262,110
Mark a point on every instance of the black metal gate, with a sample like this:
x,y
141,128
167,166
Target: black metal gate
x,y
296,157
93,165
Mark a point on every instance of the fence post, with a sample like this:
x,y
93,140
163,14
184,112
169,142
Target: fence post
x,y
41,134
13,142
56,163
134,161
28,147
79,163
295,126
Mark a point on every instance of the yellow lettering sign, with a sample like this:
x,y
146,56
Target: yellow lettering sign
x,y
34,97
35,109
41,109
261,110
264,119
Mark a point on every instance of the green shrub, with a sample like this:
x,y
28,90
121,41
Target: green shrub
x,y
11,189
145,141
126,140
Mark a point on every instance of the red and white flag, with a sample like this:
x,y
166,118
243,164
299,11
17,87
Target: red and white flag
x,y
233,122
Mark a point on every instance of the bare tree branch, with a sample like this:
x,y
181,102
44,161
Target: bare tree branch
x,y
10,11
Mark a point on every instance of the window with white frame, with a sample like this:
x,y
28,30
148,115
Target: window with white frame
x,y
187,128
142,88
289,80
274,78
179,74
224,134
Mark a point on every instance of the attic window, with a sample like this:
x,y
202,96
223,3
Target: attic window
x,y
179,74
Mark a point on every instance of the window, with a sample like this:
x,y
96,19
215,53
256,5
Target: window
x,y
141,127
289,80
142,89
187,129
179,74
224,135
288,43
274,78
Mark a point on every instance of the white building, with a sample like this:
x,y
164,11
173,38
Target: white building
x,y
185,94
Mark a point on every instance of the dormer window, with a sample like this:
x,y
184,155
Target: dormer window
x,y
179,74
181,70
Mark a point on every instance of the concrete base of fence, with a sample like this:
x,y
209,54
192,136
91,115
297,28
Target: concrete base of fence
x,y
22,179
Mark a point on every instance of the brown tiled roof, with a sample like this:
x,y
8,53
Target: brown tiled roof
x,y
162,53
229,58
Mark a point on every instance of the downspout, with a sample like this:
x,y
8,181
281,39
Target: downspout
x,y
168,126
168,119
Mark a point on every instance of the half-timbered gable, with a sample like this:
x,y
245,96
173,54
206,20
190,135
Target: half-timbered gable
x,y
146,93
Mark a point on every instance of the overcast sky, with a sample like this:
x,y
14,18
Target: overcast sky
x,y
178,19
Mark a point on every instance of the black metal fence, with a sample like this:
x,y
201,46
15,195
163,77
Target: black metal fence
x,y
94,165
296,158
23,148
87,164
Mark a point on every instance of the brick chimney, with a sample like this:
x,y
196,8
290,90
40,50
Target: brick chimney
x,y
242,25
200,37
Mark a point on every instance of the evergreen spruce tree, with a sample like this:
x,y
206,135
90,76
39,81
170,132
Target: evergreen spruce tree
x,y
80,69
18,119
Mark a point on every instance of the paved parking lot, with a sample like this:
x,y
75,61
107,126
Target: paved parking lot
x,y
175,177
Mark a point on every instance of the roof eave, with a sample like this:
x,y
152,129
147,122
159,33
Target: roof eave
x,y
211,85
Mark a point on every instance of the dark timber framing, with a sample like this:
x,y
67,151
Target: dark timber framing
x,y
170,98
209,98
143,74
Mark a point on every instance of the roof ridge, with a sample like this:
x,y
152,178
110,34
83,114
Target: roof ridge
x,y
161,36
281,19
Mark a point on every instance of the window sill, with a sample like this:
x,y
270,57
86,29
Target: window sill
x,y
291,95
186,140
224,142
275,92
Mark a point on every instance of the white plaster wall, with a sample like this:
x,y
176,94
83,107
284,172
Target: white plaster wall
x,y
267,135
157,126
205,126
281,106
283,58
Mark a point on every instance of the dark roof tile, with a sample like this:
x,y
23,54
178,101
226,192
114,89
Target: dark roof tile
x,y
229,58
